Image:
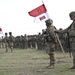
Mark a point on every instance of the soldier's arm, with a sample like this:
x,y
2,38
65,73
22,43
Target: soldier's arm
x,y
63,31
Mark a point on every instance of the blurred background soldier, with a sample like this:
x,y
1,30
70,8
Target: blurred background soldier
x,y
6,40
50,42
11,41
26,41
40,41
2,42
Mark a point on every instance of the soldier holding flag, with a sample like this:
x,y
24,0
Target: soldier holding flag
x,y
50,42
40,14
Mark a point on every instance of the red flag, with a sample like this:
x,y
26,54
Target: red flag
x,y
40,14
0,29
38,11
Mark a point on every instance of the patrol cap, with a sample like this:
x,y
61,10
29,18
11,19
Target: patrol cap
x,y
72,13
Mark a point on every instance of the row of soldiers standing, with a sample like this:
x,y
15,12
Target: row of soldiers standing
x,y
9,41
29,42
34,41
23,42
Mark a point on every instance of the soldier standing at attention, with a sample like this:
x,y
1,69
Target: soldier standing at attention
x,y
50,42
2,42
71,35
6,41
11,41
71,31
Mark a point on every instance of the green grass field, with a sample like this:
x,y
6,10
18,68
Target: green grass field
x,y
33,62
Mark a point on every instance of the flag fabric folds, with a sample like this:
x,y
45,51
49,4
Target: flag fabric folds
x,y
37,11
40,13
0,30
41,18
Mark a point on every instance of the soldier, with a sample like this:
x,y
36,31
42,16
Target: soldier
x,y
6,40
26,41
11,41
50,41
2,42
39,41
71,32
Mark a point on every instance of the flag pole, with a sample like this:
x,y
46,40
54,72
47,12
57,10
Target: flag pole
x,y
45,5
42,1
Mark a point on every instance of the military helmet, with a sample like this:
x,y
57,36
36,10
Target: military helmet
x,y
60,29
39,33
49,22
71,14
5,33
10,33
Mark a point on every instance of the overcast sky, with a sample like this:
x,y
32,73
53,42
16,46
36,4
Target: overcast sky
x,y
14,15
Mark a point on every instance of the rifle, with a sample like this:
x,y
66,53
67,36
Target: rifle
x,y
48,37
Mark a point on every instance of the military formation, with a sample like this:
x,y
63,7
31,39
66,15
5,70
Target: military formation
x,y
47,40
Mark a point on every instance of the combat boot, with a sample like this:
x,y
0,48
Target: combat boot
x,y
51,66
6,50
72,67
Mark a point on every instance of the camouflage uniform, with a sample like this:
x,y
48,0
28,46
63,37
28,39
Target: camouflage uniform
x,y
6,40
2,42
11,41
50,41
39,41
26,41
71,32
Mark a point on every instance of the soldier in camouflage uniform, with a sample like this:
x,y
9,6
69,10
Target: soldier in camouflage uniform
x,y
39,42
71,32
2,42
50,42
6,41
26,41
11,41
